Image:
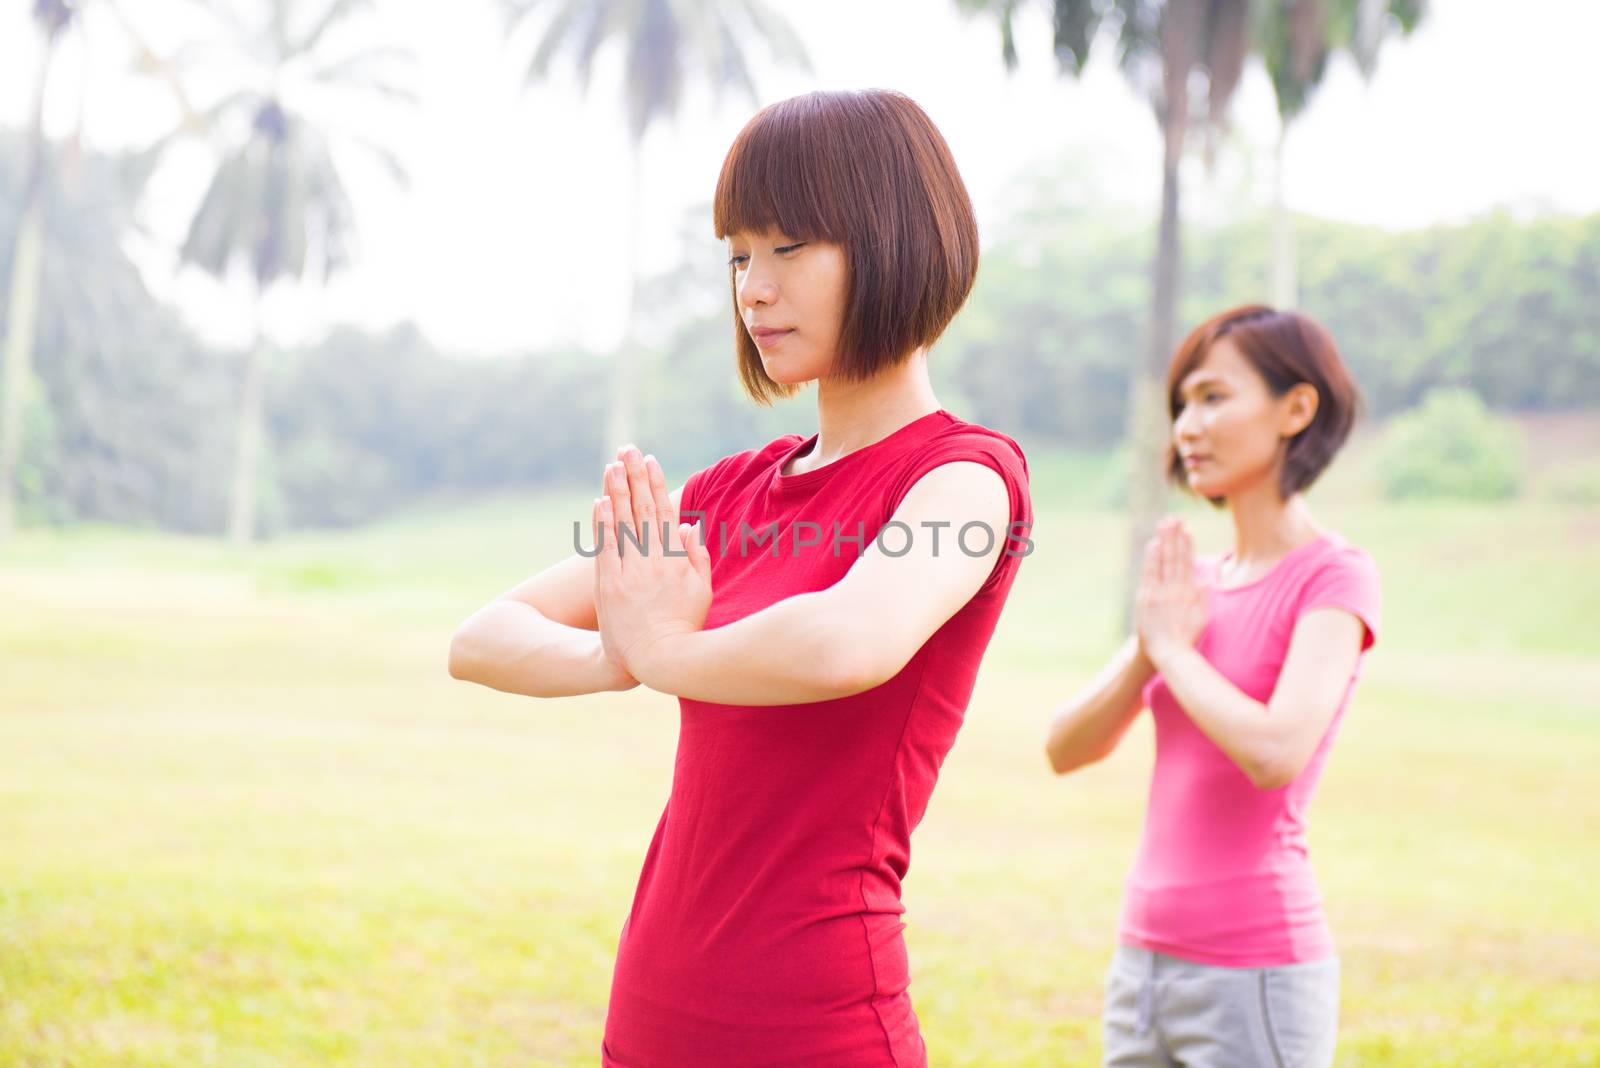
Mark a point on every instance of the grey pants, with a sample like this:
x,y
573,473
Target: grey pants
x,y
1164,1012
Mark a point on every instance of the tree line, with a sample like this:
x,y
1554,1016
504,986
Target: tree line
x,y
131,419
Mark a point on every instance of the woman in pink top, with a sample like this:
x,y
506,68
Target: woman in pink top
x,y
1247,661
823,629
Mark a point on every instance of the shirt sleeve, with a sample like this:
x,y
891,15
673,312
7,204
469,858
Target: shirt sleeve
x,y
1348,580
1001,455
699,489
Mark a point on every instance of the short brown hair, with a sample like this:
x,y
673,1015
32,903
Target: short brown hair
x,y
1286,348
868,171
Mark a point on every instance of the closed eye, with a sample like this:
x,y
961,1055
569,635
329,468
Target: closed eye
x,y
737,260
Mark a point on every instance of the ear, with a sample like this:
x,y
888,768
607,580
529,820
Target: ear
x,y
1298,408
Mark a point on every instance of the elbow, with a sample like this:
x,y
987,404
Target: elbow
x,y
1063,762
1058,764
849,666
1066,751
460,661
845,674
1272,770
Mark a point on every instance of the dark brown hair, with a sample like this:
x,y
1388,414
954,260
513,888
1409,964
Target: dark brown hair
x,y
870,172
1286,348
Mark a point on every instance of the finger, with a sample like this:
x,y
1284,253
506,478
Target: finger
x,y
658,490
621,516
1169,556
644,503
1150,574
606,561
666,514
699,557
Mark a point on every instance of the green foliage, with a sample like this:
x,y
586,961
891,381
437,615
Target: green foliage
x,y
1452,447
141,425
137,428
38,451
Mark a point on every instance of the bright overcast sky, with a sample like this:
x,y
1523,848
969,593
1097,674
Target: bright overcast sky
x,y
511,234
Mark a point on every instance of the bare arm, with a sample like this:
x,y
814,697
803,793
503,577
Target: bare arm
x,y
1088,725
541,637
838,641
1272,741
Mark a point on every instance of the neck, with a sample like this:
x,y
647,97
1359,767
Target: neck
x,y
1265,526
853,415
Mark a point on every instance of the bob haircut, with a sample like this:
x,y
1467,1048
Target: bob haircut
x,y
1286,348
866,170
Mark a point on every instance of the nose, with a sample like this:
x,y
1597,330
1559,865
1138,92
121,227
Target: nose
x,y
1185,428
757,287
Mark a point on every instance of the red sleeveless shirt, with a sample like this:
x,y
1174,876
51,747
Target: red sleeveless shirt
x,y
766,928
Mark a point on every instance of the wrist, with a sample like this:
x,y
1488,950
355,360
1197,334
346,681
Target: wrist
x,y
651,661
1162,654
612,676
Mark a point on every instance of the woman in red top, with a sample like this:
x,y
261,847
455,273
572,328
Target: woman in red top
x,y
821,625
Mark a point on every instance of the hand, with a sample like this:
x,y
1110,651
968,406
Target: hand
x,y
645,595
1170,609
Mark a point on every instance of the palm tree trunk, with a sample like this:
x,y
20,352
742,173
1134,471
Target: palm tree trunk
x,y
22,313
247,448
1285,285
1147,411
625,387
22,306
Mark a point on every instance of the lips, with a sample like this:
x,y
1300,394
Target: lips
x,y
767,335
1194,461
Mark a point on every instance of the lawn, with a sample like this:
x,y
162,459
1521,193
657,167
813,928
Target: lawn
x,y
246,818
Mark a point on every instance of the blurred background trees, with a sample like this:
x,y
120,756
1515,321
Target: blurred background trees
x,y
667,46
133,419
276,204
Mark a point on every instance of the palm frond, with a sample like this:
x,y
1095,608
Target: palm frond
x,y
655,70
1076,23
336,12
776,34
1227,45
557,36
397,92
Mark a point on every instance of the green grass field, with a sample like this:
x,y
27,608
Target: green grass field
x,y
246,818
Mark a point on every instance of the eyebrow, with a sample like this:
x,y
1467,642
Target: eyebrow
x,y
1207,380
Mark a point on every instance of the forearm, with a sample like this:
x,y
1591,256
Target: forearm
x,y
1088,725
1241,726
793,652
510,646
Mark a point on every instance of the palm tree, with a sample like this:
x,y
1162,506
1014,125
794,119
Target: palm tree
x,y
665,42
1161,45
277,202
53,18
1295,39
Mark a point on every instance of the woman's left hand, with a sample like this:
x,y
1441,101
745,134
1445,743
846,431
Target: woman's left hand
x,y
1170,610
652,575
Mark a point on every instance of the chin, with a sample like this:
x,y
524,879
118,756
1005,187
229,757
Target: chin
x,y
788,374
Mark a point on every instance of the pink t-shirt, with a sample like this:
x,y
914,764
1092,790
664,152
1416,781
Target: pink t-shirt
x,y
1223,875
